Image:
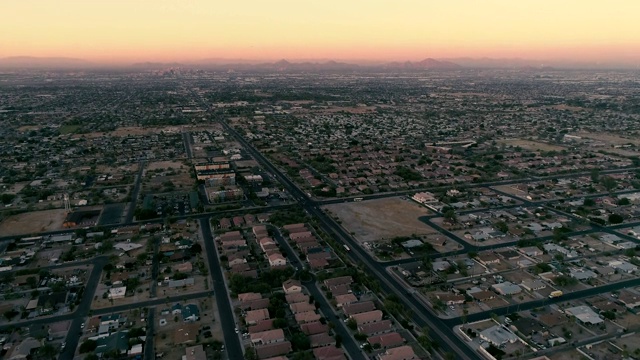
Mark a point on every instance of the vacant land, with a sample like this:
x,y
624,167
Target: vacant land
x,y
374,220
33,222
112,214
350,110
531,145
511,190
132,130
207,328
566,354
567,107
166,165
611,139
29,128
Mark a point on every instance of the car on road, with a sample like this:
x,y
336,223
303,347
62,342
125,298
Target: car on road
x,y
63,345
236,330
82,326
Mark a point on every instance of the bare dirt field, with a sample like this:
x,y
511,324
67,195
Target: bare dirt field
x,y
612,139
133,130
164,340
32,222
7,305
568,354
374,220
28,128
442,243
165,165
100,302
246,163
531,145
350,110
14,188
198,286
567,107
107,169
181,181
511,190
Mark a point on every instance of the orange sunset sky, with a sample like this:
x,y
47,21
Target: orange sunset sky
x,y
182,30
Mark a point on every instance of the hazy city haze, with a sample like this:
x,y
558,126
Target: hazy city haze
x,y
169,30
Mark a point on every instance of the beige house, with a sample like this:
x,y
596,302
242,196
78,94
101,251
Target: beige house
x,y
291,286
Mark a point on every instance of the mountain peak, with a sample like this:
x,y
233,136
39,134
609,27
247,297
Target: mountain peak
x,y
282,62
428,63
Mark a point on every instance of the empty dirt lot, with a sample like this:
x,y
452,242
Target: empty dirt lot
x,y
166,165
531,145
612,139
381,218
131,130
33,222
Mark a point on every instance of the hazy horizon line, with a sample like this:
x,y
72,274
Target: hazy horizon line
x,y
323,59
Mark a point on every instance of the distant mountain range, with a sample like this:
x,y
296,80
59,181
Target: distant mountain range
x,y
426,64
32,62
29,62
330,65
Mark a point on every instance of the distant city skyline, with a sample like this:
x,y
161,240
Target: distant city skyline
x,y
377,30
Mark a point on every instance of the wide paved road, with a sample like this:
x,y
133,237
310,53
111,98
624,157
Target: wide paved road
x,y
82,310
134,194
424,316
149,347
203,215
348,341
231,340
505,310
186,139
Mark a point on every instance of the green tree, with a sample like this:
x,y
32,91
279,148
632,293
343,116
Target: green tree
x,y
360,336
502,226
608,182
564,280
615,219
196,249
609,315
338,338
250,353
7,198
47,351
88,346
624,201
280,323
300,341
541,268
451,215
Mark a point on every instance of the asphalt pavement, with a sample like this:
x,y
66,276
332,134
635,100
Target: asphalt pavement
x,y
348,342
81,312
226,315
424,316
149,347
134,194
187,144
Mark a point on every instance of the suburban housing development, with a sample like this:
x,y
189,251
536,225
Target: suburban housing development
x,y
290,211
